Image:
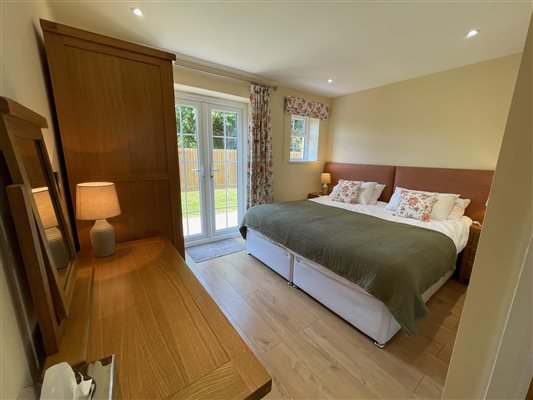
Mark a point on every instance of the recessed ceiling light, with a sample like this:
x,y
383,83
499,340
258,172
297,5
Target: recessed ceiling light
x,y
330,80
137,11
472,33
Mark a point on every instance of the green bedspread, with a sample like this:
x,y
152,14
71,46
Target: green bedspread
x,y
392,261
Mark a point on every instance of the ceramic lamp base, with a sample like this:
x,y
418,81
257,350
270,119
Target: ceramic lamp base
x,y
103,238
57,247
325,188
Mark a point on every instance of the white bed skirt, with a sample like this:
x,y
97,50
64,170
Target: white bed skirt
x,y
340,295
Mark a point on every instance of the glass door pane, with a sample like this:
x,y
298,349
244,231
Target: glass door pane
x,y
225,158
191,171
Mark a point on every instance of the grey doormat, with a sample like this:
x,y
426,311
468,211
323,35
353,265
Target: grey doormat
x,y
204,252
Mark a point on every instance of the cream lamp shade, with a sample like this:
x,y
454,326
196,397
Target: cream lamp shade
x,y
325,178
96,200
46,210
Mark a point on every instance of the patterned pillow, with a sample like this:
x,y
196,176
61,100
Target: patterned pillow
x,y
416,205
346,191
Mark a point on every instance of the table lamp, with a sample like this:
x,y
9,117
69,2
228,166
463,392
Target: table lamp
x,y
54,237
325,178
45,207
96,201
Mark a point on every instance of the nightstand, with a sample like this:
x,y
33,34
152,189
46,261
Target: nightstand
x,y
314,195
469,253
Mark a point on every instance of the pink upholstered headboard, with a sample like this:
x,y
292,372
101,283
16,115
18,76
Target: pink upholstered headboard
x,y
383,174
469,183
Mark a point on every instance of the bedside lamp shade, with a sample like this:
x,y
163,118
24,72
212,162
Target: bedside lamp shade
x,y
96,200
46,210
325,178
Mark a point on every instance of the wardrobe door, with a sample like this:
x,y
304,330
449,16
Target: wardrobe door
x,y
115,108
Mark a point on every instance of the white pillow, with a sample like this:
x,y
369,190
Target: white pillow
x,y
377,192
459,208
441,208
395,199
365,192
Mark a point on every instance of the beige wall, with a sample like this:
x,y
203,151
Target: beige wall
x,y
292,181
492,357
451,119
22,79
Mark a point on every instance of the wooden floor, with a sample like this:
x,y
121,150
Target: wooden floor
x,y
311,353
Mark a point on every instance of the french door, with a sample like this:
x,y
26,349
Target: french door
x,y
210,145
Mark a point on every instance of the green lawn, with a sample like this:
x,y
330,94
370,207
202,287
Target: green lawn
x,y
193,201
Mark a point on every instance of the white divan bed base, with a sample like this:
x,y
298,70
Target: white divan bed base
x,y
272,254
343,297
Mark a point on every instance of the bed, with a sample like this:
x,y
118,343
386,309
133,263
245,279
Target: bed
x,y
291,247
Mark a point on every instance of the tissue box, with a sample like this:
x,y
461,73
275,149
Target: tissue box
x,y
103,372
61,381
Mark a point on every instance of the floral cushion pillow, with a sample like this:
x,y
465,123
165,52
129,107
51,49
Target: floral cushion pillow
x,y
346,191
416,205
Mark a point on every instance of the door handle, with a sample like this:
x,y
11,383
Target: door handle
x,y
200,172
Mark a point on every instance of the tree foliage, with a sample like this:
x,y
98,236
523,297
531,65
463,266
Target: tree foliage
x,y
186,120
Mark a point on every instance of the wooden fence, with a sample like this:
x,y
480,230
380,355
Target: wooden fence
x,y
224,161
296,155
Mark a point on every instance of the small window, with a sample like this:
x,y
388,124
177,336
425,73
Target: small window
x,y
304,138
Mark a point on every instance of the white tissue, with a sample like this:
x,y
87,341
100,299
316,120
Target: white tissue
x,y
60,383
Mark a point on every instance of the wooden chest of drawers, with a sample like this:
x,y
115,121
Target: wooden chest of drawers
x,y
170,339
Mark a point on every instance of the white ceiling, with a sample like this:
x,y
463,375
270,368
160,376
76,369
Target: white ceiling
x,y
359,44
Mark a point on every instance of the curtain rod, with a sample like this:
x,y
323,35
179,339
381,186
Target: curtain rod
x,y
222,75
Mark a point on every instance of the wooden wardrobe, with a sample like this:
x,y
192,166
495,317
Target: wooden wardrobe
x,y
115,108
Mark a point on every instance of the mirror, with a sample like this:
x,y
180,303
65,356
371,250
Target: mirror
x,y
48,210
39,214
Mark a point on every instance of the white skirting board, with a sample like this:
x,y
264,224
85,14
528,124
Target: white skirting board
x,y
340,295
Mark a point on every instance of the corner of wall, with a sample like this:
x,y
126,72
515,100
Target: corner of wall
x,y
496,319
22,78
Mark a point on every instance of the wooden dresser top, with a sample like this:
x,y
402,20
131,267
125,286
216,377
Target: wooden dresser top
x,y
170,338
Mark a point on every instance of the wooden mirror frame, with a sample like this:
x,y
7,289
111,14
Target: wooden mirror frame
x,y
18,121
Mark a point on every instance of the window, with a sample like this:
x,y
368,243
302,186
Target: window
x,y
304,138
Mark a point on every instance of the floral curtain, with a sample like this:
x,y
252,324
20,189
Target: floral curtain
x,y
259,147
306,108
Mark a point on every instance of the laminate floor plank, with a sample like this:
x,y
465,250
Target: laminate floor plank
x,y
429,389
446,353
258,333
278,390
312,353
313,356
294,375
375,378
283,313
